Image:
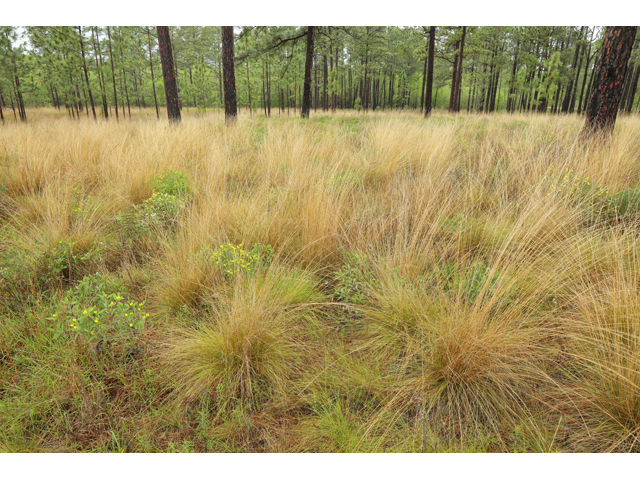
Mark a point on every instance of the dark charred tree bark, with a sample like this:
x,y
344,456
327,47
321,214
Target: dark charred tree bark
x,y
429,92
168,75
609,79
228,67
308,64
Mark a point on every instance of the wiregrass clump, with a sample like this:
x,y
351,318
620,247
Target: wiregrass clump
x,y
375,282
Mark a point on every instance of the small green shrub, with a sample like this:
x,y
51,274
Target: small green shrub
x,y
468,282
38,266
233,260
354,279
170,182
618,207
98,308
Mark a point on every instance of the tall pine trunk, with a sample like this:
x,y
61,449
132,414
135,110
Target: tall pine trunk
x,y
429,92
228,66
609,79
306,95
168,75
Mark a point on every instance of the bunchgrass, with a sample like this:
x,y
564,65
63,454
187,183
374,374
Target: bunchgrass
x,y
351,283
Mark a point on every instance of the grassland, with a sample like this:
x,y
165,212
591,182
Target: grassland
x,y
350,283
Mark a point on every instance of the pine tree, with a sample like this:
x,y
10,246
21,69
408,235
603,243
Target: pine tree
x,y
168,75
230,104
609,79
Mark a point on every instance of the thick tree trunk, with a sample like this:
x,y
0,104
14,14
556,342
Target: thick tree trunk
x,y
607,88
429,92
228,66
168,75
306,95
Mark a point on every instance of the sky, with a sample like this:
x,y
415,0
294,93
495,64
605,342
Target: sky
x,y
327,12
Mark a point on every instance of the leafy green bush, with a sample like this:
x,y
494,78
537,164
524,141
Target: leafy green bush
x,y
38,266
233,260
98,308
170,182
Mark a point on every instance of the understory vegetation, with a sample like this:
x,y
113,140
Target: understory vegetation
x,y
353,283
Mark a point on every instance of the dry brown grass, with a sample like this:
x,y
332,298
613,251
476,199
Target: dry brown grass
x,y
492,314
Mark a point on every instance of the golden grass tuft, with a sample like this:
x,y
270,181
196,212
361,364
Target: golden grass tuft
x,y
433,286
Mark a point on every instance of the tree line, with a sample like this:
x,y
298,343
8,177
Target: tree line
x,y
104,72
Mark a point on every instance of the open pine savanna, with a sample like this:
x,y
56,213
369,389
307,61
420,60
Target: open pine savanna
x,y
351,282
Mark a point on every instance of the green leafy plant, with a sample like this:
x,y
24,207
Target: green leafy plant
x,y
171,182
98,308
354,279
234,260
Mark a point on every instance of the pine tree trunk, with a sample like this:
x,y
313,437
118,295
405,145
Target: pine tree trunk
x,y
632,90
306,95
103,88
113,73
228,66
325,83
249,89
424,82
427,100
567,98
454,78
455,104
86,75
607,88
153,80
168,75
135,86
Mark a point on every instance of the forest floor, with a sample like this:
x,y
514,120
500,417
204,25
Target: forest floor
x,y
350,283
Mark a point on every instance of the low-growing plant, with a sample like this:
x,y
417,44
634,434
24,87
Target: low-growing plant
x,y
233,260
172,182
42,265
98,308
354,279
